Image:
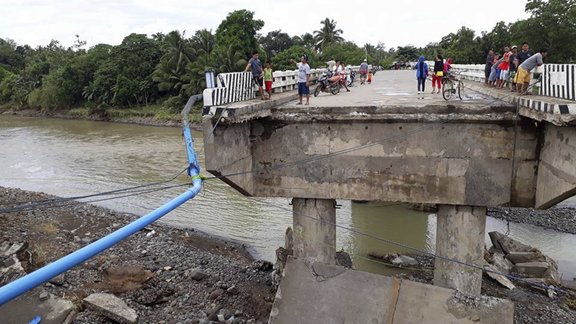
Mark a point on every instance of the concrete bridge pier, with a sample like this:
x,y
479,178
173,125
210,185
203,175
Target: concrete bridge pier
x,y
314,222
460,236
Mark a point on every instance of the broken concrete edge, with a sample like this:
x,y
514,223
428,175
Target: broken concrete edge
x,y
243,111
398,306
529,110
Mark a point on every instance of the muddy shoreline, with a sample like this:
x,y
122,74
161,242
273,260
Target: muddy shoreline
x,y
167,275
144,121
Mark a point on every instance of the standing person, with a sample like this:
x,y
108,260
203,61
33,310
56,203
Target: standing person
x,y
331,65
341,72
421,74
438,73
524,54
513,67
524,69
369,77
268,79
504,66
256,66
488,66
494,70
363,71
447,66
303,78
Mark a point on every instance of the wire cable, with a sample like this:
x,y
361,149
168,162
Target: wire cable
x,y
420,251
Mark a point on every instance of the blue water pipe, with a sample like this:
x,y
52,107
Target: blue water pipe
x,y
42,275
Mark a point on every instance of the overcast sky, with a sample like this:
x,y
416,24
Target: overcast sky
x,y
395,23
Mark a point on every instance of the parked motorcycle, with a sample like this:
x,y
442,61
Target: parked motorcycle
x,y
351,75
324,84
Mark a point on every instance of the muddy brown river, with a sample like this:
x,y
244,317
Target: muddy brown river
x,y
72,157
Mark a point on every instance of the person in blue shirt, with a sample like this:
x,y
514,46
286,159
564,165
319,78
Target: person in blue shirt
x,y
421,74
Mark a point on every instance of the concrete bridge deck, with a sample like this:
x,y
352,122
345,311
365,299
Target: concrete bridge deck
x,y
380,142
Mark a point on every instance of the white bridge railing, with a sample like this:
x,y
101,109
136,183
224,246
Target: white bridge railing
x,y
239,86
557,80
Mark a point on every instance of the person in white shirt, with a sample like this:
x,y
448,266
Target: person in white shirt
x,y
303,78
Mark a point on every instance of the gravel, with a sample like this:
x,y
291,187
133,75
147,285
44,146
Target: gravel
x,y
167,275
561,218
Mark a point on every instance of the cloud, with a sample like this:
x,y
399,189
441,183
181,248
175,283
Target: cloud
x,y
415,22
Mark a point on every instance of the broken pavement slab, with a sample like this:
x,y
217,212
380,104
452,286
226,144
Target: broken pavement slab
x,y
371,298
111,307
52,310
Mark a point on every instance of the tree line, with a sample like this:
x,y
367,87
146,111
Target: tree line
x,y
166,69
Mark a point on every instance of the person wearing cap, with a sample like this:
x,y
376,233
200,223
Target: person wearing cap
x,y
513,67
363,71
303,78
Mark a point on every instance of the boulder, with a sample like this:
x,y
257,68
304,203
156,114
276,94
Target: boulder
x,y
112,307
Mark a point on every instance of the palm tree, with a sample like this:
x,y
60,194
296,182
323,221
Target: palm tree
x,y
328,34
170,73
203,41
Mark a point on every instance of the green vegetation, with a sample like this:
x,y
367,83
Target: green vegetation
x,y
153,76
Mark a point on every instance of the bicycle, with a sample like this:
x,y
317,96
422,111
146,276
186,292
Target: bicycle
x,y
449,88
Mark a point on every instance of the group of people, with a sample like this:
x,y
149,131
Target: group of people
x,y
262,76
441,69
512,67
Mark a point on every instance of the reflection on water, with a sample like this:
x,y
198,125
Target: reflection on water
x,y
69,158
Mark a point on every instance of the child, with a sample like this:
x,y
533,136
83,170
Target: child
x,y
268,79
369,77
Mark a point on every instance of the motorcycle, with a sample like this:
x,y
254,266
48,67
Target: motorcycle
x,y
324,84
351,75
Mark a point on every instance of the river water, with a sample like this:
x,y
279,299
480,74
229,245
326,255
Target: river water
x,y
72,157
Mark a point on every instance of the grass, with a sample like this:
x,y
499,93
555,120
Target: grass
x,y
154,112
48,228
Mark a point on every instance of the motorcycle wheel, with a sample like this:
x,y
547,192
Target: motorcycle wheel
x,y
335,90
317,90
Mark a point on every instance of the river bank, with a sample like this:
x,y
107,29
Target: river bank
x,y
559,218
147,116
165,274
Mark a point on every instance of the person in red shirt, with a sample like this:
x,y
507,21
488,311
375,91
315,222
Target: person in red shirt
x,y
504,69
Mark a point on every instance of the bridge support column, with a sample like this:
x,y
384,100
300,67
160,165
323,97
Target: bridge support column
x,y
460,236
314,223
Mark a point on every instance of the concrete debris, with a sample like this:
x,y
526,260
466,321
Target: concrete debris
x,y
531,269
491,272
112,307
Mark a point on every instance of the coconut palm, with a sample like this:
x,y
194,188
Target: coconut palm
x,y
328,34
170,73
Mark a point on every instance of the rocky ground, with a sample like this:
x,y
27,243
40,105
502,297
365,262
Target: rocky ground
x,y
561,219
170,275
532,305
166,275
